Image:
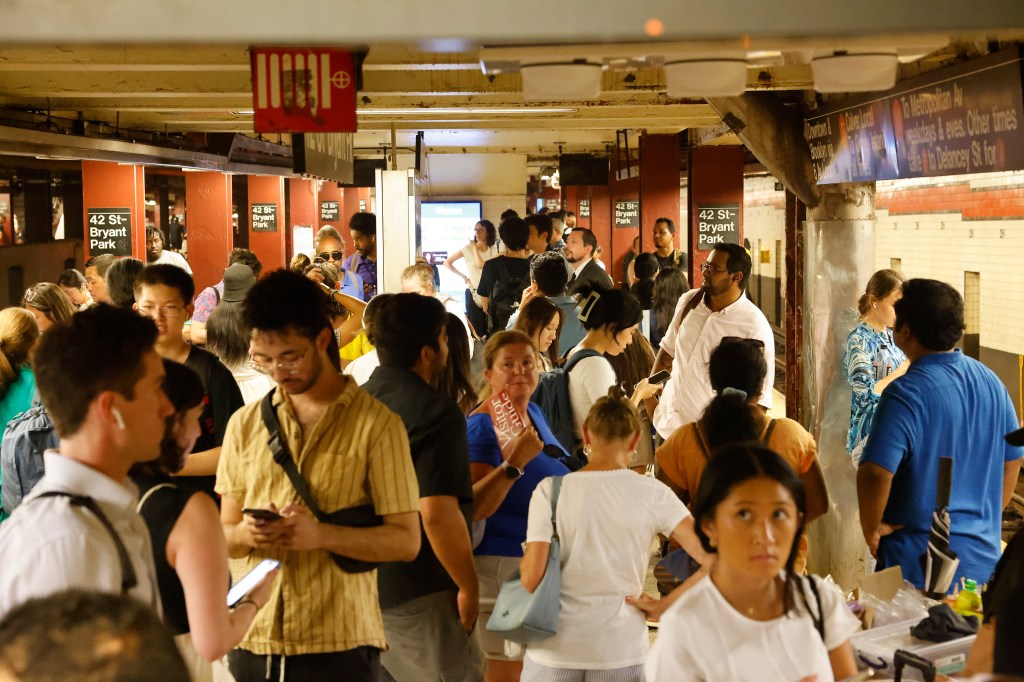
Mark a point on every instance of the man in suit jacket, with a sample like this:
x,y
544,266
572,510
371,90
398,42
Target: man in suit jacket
x,y
579,252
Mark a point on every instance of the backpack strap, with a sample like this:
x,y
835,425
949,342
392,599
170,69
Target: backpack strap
x,y
142,501
767,436
128,577
703,444
216,295
279,449
578,356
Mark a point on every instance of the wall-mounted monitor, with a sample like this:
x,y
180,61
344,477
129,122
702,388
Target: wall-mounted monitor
x,y
582,170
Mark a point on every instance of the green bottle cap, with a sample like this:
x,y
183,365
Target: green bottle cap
x,y
970,585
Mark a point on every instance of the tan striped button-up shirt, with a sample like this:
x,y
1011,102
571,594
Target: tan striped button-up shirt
x,y
356,454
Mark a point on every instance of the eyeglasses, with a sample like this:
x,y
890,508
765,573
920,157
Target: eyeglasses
x,y
712,268
331,255
288,364
756,343
164,311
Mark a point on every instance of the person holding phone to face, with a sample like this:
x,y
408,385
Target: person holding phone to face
x,y
188,545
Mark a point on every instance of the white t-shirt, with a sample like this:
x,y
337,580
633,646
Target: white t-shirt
x,y
253,385
362,367
455,308
688,391
589,381
606,521
172,258
474,272
702,638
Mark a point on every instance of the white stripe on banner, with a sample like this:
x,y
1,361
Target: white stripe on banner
x,y
275,81
313,84
299,78
325,81
288,78
261,81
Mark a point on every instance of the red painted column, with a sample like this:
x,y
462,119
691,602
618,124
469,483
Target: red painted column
x,y
304,204
355,199
269,247
716,177
208,203
600,222
622,237
106,184
659,186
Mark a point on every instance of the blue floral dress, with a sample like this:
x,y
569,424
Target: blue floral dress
x,y
871,355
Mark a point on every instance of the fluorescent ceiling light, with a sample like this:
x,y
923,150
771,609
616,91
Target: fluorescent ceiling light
x,y
573,81
709,77
243,112
422,111
854,72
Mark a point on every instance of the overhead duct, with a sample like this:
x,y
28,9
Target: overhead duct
x,y
571,81
845,72
706,78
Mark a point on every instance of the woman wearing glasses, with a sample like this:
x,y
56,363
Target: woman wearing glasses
x,y
330,248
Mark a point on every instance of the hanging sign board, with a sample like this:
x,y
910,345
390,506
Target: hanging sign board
x,y
303,90
962,119
717,223
328,156
109,231
584,208
264,217
627,214
329,210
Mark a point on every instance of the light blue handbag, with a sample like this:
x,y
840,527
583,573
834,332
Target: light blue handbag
x,y
522,617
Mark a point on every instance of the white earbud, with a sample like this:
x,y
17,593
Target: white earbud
x,y
118,418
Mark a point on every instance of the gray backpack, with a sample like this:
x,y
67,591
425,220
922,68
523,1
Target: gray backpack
x,y
25,439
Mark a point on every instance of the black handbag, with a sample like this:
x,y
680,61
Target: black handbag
x,y
363,516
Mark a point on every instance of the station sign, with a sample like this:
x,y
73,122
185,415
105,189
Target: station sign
x,y
717,223
303,89
109,230
627,214
958,120
328,156
264,218
584,208
329,210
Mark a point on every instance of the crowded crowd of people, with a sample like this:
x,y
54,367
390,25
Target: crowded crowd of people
x,y
376,468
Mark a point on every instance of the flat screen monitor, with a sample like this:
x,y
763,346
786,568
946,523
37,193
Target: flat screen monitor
x,y
582,170
445,227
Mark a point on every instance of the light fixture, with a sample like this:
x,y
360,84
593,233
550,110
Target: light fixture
x,y
150,202
845,72
706,78
422,111
561,81
244,112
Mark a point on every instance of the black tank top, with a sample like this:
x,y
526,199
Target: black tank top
x,y
161,504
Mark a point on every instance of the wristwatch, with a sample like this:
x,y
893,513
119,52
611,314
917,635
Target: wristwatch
x,y
511,470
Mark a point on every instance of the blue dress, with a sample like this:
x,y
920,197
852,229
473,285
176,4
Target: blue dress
x,y
505,530
870,355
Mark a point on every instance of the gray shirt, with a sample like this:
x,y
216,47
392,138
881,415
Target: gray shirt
x,y
49,546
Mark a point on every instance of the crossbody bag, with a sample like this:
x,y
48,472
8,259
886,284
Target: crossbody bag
x,y
362,516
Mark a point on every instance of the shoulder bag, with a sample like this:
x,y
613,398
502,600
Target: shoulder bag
x,y
363,516
521,616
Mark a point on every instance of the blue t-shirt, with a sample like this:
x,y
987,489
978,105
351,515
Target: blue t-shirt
x,y
947,405
505,530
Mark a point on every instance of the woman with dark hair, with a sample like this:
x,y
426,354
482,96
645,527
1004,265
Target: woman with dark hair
x,y
872,359
610,317
631,367
669,285
48,303
504,478
504,277
227,337
541,320
606,517
189,549
120,281
478,251
74,284
753,617
737,369
456,381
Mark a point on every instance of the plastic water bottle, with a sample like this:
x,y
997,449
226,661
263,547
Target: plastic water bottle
x,y
968,602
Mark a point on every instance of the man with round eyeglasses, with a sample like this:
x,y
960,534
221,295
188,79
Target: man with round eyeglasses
x,y
703,317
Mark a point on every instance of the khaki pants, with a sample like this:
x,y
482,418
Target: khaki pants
x,y
426,642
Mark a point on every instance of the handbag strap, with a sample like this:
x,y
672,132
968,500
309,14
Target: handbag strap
x,y
279,449
556,488
768,432
128,577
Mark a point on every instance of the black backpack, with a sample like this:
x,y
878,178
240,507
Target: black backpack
x,y
505,295
552,396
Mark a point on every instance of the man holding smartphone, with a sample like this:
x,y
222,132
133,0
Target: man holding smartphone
x,y
321,622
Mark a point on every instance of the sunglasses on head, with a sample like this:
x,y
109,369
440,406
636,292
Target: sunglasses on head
x,y
329,255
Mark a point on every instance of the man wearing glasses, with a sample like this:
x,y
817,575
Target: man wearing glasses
x,y
321,622
163,293
703,317
330,248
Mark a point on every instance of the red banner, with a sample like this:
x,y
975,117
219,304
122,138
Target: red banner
x,y
303,90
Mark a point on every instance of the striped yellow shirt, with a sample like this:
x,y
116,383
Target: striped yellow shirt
x,y
356,454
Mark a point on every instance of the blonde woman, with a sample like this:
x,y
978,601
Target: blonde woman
x,y
18,334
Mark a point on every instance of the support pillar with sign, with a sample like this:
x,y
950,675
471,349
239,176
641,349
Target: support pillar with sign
x,y
304,209
266,220
715,198
660,157
208,205
396,227
114,208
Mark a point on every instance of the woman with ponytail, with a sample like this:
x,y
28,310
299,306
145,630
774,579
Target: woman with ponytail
x,y
606,517
737,369
872,359
18,334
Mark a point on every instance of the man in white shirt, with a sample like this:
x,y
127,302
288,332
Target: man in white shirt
x,y
702,318
102,384
157,255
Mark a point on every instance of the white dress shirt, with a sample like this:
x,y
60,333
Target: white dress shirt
x,y
688,392
172,258
49,546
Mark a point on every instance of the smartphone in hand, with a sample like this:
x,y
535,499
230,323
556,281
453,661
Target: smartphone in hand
x,y
659,377
250,580
263,514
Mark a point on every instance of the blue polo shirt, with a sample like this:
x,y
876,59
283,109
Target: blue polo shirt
x,y
947,405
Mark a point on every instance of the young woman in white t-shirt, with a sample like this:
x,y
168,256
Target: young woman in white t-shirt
x,y
610,317
753,618
607,516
